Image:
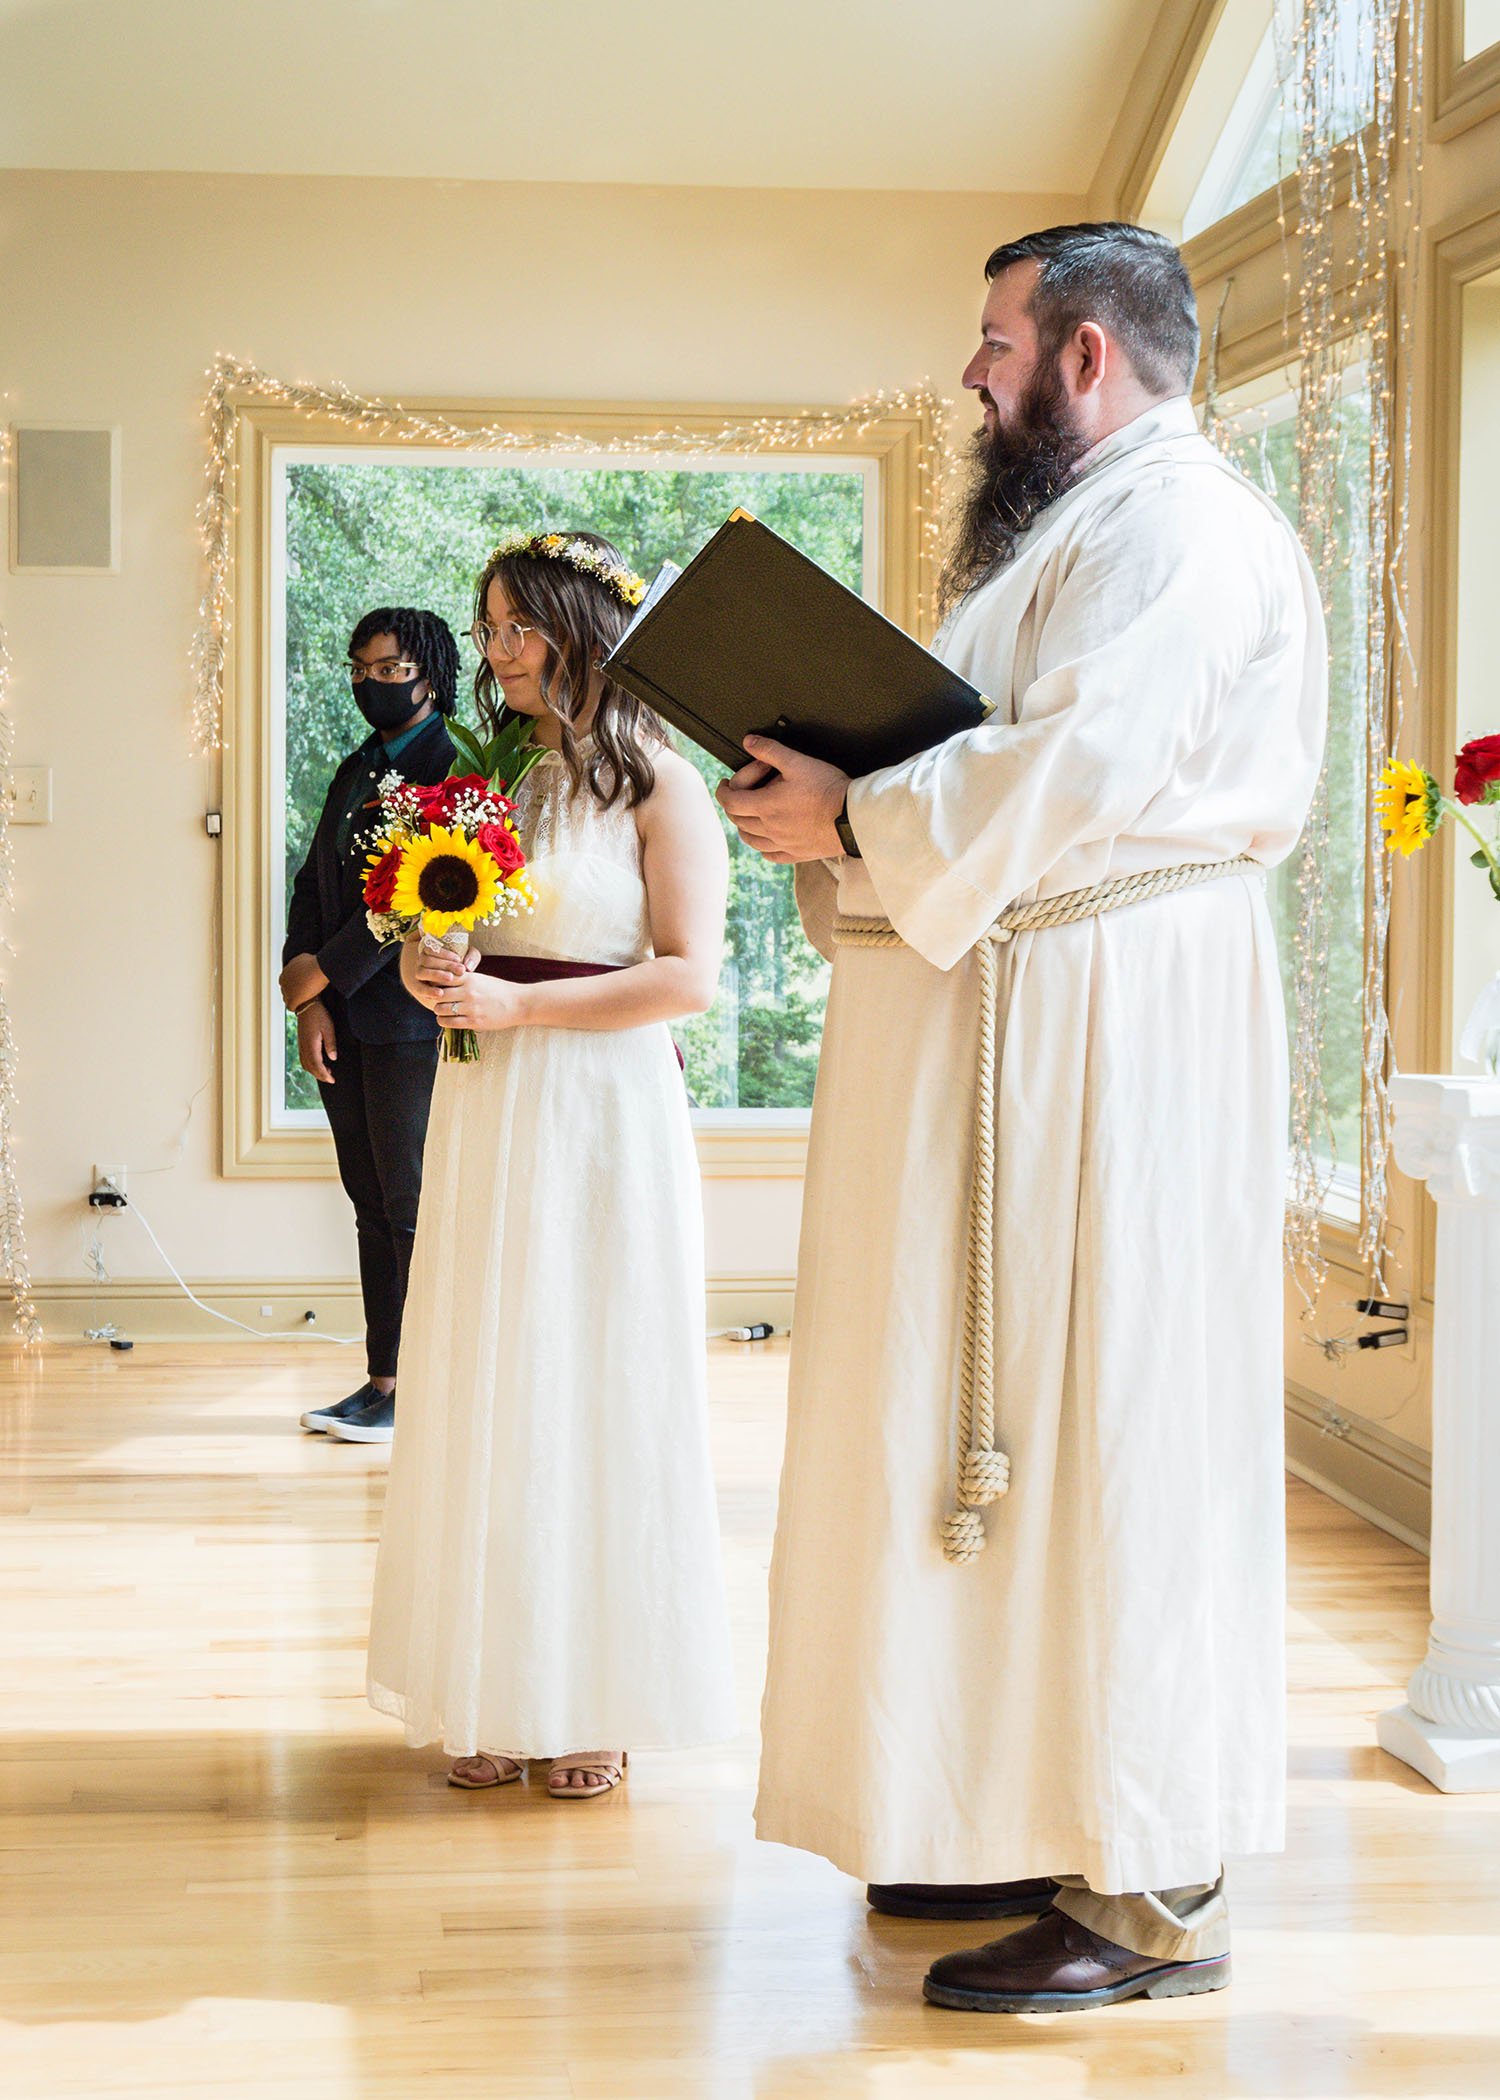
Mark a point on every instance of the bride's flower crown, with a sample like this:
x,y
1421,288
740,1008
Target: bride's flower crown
x,y
578,554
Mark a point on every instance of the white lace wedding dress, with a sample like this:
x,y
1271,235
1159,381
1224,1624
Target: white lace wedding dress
x,y
549,1575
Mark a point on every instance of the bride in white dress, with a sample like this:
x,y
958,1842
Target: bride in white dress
x,y
549,1577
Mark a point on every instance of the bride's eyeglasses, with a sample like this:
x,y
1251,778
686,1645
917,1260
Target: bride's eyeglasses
x,y
508,638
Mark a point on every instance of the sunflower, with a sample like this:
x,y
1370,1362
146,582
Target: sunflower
x,y
1410,806
445,880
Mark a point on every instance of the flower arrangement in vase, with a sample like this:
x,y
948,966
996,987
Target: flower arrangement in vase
x,y
1412,806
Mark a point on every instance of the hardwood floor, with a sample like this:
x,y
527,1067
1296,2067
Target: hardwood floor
x,y
223,1875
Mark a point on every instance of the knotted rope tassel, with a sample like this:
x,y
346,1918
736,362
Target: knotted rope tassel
x,y
984,1472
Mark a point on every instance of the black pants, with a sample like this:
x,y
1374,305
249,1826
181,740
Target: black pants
x,y
377,1109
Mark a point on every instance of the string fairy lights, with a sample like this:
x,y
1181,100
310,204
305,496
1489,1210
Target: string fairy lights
x,y
15,1266
1349,296
1356,266
232,383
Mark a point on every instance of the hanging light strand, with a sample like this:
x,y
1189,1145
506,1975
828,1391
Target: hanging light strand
x,y
1387,203
232,381
15,1265
1348,282
1355,289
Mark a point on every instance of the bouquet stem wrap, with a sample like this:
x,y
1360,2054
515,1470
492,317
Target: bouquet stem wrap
x,y
460,1045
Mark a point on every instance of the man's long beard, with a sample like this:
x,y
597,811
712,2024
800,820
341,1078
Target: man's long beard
x,y
1016,471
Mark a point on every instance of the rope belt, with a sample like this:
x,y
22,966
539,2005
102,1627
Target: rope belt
x,y
984,1472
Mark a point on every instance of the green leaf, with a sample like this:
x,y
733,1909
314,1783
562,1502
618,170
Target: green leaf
x,y
470,752
511,754
530,753
1479,859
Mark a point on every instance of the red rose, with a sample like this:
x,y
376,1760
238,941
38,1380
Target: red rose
x,y
501,843
432,803
1477,769
380,881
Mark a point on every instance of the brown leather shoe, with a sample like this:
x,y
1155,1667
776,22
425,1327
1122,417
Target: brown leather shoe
x,y
960,1899
1058,1965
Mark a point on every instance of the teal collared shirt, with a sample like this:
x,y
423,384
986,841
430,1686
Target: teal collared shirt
x,y
360,802
398,744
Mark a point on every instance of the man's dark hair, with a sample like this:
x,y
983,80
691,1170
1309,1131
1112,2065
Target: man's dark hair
x,y
1127,279
422,639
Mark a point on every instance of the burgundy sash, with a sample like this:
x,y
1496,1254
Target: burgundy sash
x,y
546,969
541,969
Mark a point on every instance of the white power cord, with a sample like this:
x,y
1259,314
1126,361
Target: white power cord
x,y
761,1331
132,1209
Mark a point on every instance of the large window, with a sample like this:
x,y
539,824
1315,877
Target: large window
x,y
1241,124
329,521
1261,435
351,530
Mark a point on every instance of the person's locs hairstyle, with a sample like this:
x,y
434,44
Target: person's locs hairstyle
x,y
1129,280
424,639
580,619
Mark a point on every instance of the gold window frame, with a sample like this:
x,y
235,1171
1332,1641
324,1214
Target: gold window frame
x,y
895,439
1465,91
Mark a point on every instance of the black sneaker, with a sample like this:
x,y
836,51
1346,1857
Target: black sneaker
x,y
323,1418
375,1422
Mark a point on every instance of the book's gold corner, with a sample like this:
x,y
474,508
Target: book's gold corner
x,y
987,705
741,517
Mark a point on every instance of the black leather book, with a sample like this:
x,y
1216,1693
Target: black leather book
x,y
754,639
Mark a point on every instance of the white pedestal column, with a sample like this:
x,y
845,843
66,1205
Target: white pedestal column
x,y
1447,1133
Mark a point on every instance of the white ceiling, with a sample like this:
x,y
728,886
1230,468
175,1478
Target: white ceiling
x,y
985,95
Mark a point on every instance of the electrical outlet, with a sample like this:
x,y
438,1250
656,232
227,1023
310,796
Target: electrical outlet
x,y
112,1177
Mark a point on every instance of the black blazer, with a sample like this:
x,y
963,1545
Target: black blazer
x,y
326,915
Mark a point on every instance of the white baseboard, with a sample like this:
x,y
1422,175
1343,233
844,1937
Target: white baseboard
x,y
1380,1477
153,1309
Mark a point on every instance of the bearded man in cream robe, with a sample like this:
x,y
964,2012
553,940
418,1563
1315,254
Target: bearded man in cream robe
x,y
1083,1719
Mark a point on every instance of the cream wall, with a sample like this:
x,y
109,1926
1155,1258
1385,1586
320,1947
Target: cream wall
x,y
118,291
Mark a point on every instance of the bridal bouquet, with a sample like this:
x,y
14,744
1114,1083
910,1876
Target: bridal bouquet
x,y
443,860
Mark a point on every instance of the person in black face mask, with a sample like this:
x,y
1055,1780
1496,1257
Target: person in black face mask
x,y
372,1050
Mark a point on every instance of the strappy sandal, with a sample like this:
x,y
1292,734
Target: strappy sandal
x,y
474,1779
604,1769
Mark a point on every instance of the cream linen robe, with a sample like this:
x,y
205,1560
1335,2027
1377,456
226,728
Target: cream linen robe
x,y
1101,1692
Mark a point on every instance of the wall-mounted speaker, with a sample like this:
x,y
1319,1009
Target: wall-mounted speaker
x,y
65,499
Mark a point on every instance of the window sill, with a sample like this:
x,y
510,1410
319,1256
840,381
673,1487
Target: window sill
x,y
733,1145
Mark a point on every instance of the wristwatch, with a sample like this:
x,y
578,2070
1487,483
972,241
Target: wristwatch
x,y
845,830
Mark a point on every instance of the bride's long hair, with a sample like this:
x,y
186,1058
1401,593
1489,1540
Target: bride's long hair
x,y
580,618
